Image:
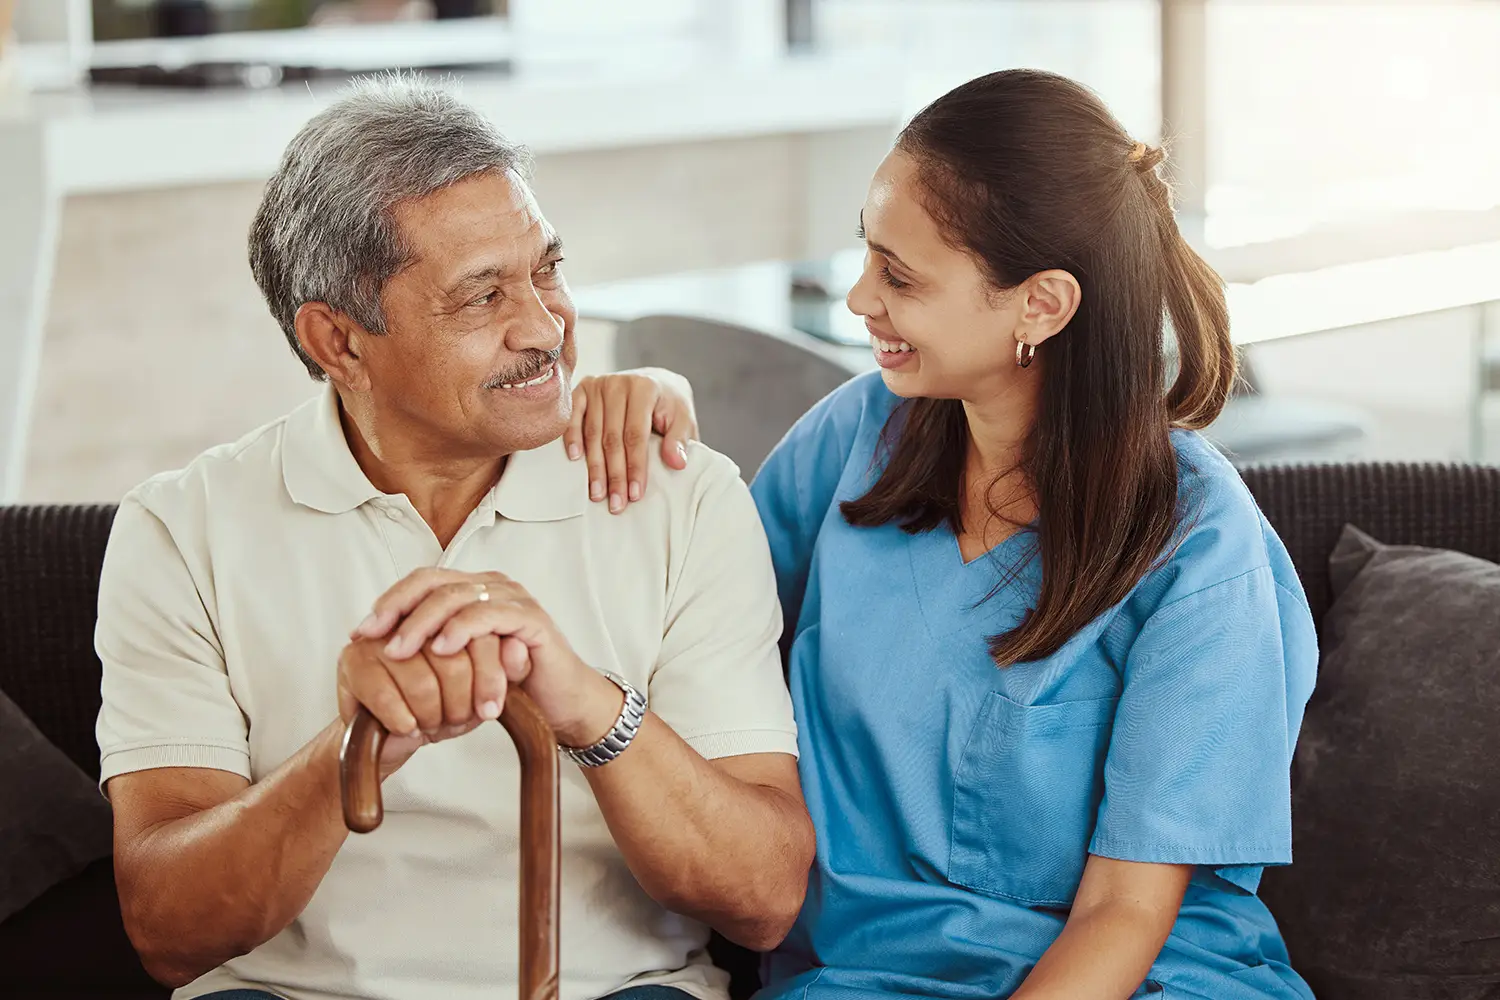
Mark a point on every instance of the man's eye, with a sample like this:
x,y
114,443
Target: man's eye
x,y
485,299
550,267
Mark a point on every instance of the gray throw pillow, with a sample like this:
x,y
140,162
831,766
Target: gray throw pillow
x,y
1395,887
53,821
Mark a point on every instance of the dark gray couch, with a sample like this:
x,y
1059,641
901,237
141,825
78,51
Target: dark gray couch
x,y
70,943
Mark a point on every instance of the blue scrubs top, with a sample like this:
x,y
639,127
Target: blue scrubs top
x,y
956,803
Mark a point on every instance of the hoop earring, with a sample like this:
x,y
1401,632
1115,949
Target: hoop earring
x,y
1024,354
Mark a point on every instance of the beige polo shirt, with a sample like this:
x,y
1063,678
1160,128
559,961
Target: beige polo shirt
x,y
229,588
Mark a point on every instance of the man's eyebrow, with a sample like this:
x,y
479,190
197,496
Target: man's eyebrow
x,y
486,275
884,251
475,278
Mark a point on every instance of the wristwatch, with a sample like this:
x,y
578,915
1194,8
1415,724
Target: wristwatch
x,y
620,735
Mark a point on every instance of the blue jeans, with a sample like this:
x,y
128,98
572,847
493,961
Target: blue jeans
x,y
633,993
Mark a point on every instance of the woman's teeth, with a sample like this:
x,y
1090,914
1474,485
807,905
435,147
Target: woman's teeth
x,y
546,376
892,347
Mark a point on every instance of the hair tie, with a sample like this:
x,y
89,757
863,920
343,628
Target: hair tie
x,y
1138,153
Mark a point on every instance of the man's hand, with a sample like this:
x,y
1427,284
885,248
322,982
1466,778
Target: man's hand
x,y
613,417
726,841
423,698
436,613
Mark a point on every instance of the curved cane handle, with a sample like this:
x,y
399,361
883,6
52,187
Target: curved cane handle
x,y
359,786
359,772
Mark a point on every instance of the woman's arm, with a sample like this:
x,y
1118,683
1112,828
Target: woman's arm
x,y
1122,916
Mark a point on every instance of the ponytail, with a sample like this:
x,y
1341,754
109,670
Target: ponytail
x,y
1198,311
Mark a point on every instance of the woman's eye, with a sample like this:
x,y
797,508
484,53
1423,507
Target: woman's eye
x,y
890,279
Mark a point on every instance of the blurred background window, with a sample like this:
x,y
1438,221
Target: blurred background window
x,y
1338,161
1325,113
1109,44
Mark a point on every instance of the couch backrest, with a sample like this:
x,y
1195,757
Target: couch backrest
x,y
1439,506
49,582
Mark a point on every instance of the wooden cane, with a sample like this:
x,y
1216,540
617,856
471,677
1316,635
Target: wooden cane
x,y
359,784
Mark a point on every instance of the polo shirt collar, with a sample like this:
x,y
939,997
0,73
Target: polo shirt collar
x,y
542,485
320,471
316,463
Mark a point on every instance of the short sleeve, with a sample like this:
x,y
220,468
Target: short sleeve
x,y
796,485
1199,764
718,680
166,693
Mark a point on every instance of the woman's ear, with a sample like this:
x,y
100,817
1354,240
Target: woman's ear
x,y
332,339
1051,299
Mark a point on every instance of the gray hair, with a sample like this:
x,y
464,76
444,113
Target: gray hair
x,y
324,231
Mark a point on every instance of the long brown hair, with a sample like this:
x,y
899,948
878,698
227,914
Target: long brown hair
x,y
1028,171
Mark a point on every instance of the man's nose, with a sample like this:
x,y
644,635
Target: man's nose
x,y
535,327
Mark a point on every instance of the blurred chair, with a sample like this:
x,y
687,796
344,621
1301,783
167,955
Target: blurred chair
x,y
749,386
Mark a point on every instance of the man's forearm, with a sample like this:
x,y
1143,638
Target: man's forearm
x,y
216,884
704,843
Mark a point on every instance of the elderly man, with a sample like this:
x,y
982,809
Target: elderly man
x,y
426,491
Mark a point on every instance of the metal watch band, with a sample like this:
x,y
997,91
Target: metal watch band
x,y
620,736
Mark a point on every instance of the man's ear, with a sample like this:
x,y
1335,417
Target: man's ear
x,y
1052,299
335,342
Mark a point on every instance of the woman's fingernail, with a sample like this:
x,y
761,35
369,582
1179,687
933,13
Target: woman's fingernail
x,y
682,451
366,627
596,491
490,710
393,648
575,452
635,492
615,503
443,645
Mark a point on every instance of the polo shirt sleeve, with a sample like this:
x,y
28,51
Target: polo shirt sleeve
x,y
718,680
1199,760
166,693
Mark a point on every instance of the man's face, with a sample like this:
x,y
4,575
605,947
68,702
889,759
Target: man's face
x,y
479,351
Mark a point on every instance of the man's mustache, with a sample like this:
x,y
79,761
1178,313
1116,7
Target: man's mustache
x,y
529,366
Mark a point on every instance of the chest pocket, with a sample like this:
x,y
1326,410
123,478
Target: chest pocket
x,y
1025,798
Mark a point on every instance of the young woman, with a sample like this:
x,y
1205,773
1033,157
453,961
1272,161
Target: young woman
x,y
1048,659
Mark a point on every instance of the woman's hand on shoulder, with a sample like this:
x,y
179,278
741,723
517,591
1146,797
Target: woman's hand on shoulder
x,y
613,419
